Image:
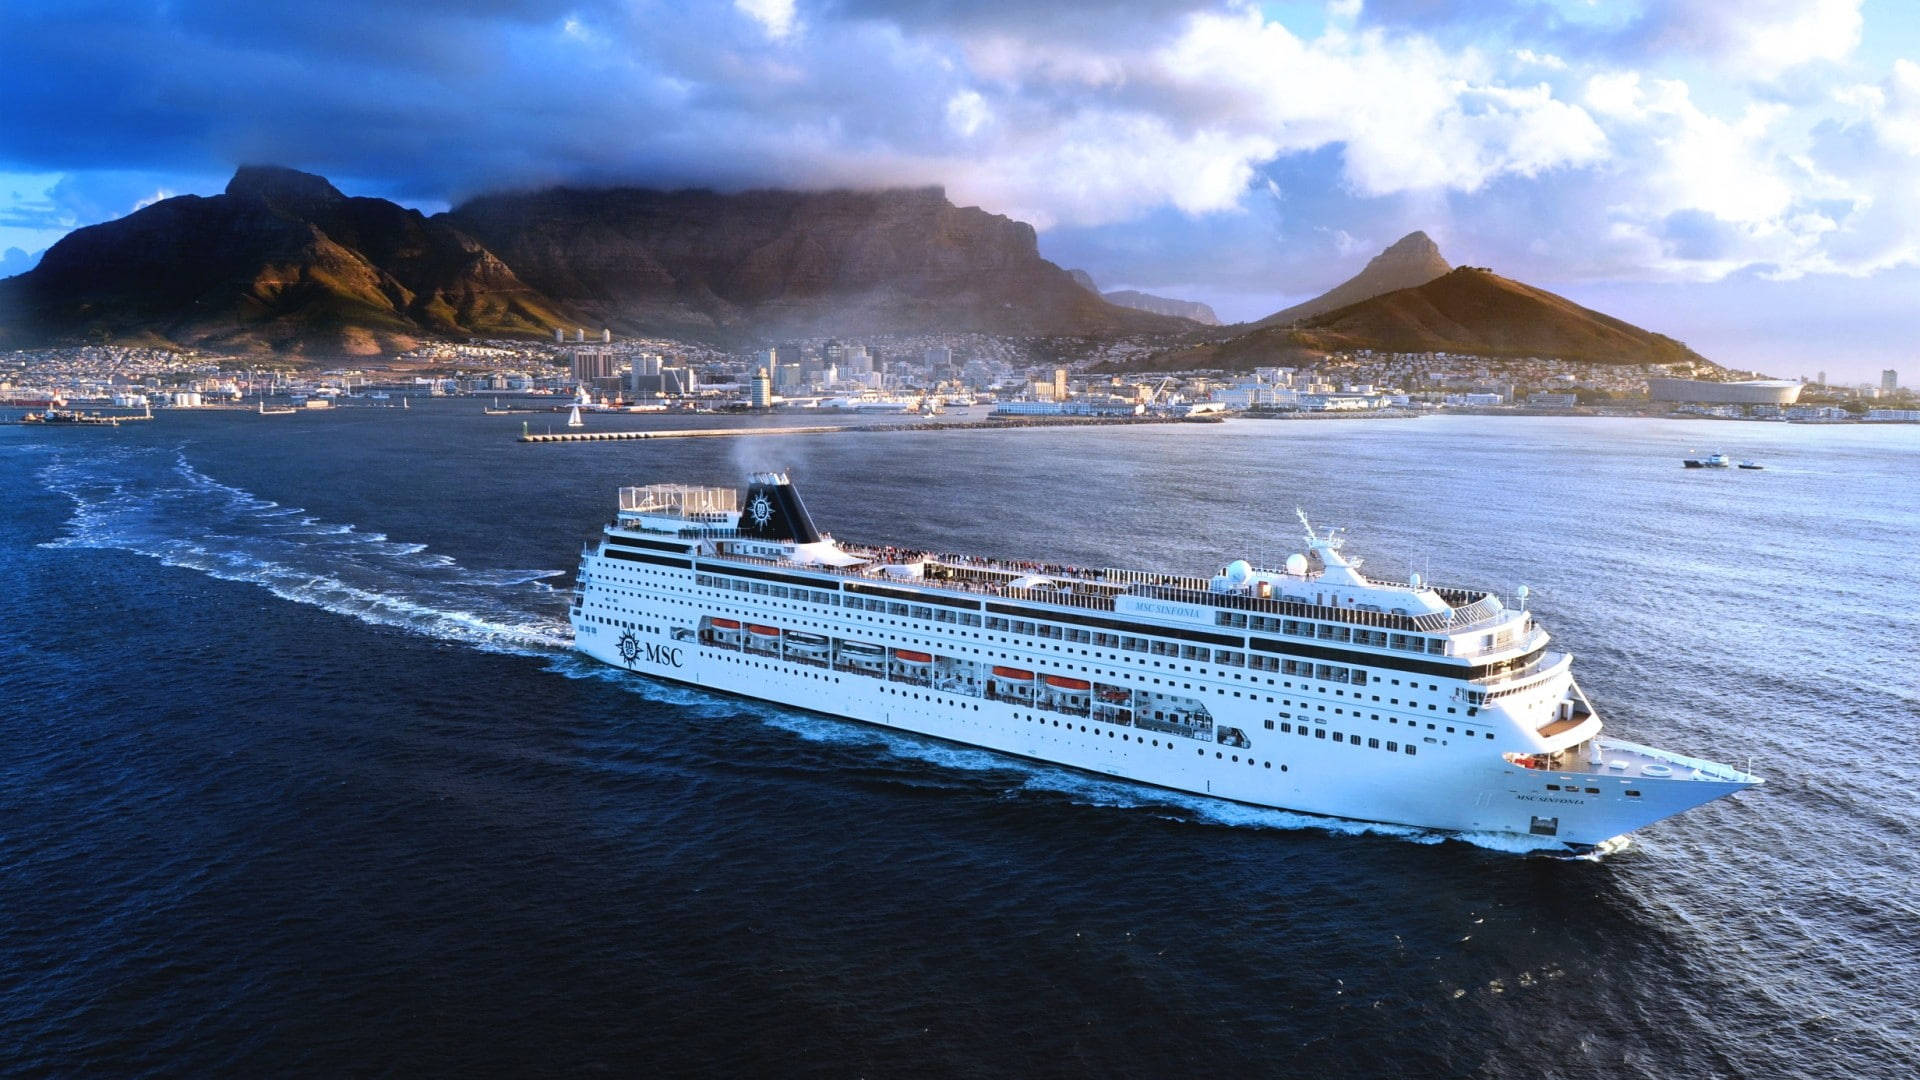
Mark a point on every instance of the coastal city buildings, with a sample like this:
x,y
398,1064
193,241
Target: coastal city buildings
x,y
929,372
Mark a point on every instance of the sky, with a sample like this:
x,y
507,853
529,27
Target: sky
x,y
1741,174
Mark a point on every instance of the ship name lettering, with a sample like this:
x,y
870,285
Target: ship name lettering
x,y
663,654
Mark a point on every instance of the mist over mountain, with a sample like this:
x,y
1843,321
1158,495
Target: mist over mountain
x,y
787,262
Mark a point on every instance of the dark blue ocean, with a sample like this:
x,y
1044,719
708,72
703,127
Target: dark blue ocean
x,y
297,776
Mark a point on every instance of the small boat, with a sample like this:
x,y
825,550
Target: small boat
x,y
1752,465
573,418
1711,461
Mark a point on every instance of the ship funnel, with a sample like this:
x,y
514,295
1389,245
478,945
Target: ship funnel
x,y
773,511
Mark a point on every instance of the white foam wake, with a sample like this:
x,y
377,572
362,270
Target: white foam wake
x,y
157,504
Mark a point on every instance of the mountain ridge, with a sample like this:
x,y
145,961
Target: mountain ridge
x,y
1408,262
1469,310
282,260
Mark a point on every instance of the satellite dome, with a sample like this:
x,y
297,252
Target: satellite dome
x,y
1522,592
1238,571
1413,579
1296,563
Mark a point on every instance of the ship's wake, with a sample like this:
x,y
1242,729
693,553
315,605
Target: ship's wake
x,y
158,505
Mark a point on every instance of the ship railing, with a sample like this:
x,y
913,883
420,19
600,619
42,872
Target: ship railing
x,y
1437,622
1543,666
1471,608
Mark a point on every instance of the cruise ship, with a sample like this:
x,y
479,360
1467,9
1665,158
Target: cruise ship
x,y
1311,687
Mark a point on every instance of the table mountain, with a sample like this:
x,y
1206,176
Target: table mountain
x,y
283,261
780,263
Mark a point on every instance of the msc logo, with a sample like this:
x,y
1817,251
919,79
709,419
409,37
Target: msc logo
x,y
633,650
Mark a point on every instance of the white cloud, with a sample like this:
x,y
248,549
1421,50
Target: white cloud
x,y
775,16
1760,38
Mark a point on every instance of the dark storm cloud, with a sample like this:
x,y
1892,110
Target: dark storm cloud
x,y
450,96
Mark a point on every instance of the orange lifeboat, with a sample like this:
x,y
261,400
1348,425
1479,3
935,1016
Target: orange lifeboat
x,y
725,624
1013,673
764,631
911,657
1061,682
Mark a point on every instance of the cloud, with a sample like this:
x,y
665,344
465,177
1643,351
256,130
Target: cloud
x,y
1199,140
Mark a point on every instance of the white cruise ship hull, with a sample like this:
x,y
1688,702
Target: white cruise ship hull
x,y
1453,784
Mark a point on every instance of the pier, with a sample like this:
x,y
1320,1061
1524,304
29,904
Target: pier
x,y
828,429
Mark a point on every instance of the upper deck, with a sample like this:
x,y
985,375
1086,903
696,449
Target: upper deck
x,y
1437,621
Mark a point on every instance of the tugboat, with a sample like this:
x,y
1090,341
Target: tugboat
x,y
1711,461
1752,465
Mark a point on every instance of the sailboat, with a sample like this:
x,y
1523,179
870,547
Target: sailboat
x,y
573,418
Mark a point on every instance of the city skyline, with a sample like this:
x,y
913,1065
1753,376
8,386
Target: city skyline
x,y
1736,178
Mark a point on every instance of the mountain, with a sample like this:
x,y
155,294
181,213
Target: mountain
x,y
1410,261
282,260
1469,310
1160,305
786,263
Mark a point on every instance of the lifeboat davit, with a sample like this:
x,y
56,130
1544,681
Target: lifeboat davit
x,y
1061,682
725,624
764,631
910,657
1013,673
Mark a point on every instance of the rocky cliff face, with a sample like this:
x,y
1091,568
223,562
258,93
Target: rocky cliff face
x,y
280,261
1409,262
788,263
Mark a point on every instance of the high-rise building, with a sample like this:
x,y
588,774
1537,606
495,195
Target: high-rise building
x,y
939,357
762,397
587,365
1059,384
1889,381
1822,380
